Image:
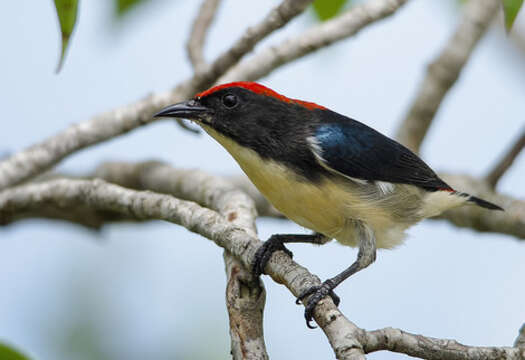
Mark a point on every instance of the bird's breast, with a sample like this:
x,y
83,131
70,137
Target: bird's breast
x,y
317,206
328,206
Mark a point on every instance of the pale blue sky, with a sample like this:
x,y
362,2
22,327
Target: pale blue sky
x,y
155,290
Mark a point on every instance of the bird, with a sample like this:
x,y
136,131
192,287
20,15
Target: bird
x,y
325,171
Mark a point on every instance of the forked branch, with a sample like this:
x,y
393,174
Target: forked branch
x,y
443,72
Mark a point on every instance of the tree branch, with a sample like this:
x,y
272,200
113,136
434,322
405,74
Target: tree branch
x,y
81,215
341,27
245,295
100,195
276,19
434,349
34,160
443,72
505,163
511,221
38,158
347,340
520,340
195,185
245,299
199,30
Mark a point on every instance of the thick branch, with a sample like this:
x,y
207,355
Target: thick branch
x,y
245,295
434,349
347,340
195,185
40,157
81,215
199,30
511,221
443,72
245,299
341,27
207,190
506,162
100,195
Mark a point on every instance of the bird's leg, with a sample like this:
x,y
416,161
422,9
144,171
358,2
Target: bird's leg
x,y
365,256
276,242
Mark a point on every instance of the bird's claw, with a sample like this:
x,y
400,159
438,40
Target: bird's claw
x,y
264,253
317,293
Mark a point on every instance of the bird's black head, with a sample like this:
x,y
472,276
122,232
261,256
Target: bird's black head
x,y
248,113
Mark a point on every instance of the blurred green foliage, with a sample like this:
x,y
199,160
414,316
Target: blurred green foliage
x,y
123,6
8,353
511,9
67,17
326,9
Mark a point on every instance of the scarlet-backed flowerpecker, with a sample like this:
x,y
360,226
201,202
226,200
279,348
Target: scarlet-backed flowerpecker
x,y
323,170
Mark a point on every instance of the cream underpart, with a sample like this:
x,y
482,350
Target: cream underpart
x,y
437,202
327,207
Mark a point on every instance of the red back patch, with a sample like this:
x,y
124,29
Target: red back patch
x,y
261,90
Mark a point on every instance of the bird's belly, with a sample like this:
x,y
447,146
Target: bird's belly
x,y
314,206
326,207
309,205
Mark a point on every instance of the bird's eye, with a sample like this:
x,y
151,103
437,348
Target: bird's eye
x,y
229,100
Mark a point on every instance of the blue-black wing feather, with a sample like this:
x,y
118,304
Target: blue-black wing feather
x,y
353,149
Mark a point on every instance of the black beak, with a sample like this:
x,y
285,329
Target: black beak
x,y
190,109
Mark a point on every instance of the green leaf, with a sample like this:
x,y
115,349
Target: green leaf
x,y
67,17
123,6
511,9
326,9
8,353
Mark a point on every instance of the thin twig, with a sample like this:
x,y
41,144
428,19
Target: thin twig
x,y
520,340
443,72
38,158
341,27
199,30
277,18
506,162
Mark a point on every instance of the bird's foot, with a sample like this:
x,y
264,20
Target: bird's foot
x,y
317,293
263,254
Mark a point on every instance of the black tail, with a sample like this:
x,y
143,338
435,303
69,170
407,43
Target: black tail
x,y
483,203
477,201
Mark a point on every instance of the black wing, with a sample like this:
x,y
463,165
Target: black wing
x,y
353,149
